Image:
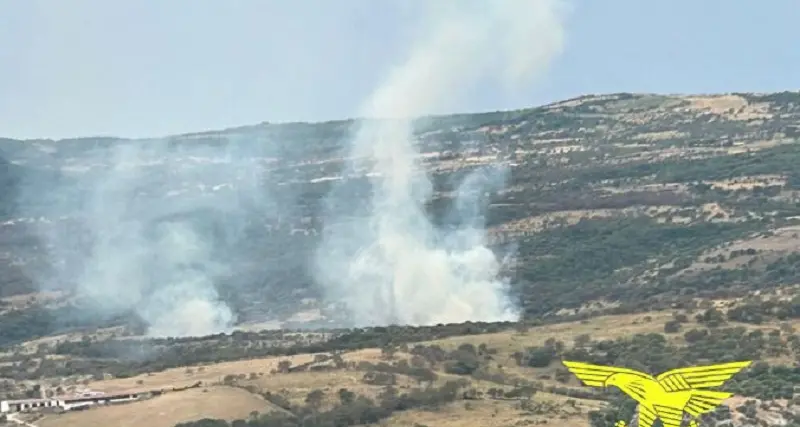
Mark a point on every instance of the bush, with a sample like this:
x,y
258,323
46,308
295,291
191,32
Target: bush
x,y
672,327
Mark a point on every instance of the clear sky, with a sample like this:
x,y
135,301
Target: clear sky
x,y
155,67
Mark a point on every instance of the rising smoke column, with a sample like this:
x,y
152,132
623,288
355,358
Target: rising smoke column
x,y
383,258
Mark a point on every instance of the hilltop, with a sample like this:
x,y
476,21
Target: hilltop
x,y
622,199
650,222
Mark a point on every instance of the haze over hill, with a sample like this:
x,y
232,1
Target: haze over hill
x,y
668,188
381,258
639,230
398,269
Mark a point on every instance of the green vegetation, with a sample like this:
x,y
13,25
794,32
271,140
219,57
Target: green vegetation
x,y
569,266
631,215
654,354
651,353
351,411
609,259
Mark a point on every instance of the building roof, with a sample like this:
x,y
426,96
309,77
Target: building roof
x,y
114,395
18,401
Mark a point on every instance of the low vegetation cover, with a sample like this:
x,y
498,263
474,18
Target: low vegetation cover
x,y
672,211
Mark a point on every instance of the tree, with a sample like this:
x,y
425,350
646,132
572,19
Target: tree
x,y
388,351
695,335
388,394
379,378
314,398
672,327
464,363
711,317
582,340
423,375
284,366
418,361
346,396
540,357
562,375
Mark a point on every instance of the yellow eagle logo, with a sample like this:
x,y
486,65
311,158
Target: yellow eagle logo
x,y
667,396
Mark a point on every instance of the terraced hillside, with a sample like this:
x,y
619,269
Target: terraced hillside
x,y
646,231
614,202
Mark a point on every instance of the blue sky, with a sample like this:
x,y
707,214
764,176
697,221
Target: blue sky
x,y
154,67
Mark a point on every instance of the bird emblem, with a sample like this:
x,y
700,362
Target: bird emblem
x,y
667,396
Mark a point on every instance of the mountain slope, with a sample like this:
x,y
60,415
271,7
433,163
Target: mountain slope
x,y
612,202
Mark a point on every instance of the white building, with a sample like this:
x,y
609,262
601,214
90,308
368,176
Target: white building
x,y
66,403
98,399
28,404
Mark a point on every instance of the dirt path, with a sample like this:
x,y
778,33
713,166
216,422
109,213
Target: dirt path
x,y
13,418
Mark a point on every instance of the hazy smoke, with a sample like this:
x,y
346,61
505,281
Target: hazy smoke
x,y
150,227
154,227
385,260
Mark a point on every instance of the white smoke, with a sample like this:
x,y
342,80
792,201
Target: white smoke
x,y
385,260
160,229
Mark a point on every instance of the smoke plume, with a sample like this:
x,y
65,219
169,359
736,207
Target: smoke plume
x,y
383,258
156,227
150,227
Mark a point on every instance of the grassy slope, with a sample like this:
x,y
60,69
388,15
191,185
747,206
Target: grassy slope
x,y
259,376
630,203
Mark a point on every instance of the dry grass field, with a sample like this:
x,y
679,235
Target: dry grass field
x,y
551,409
182,377
215,400
165,411
602,327
229,403
296,386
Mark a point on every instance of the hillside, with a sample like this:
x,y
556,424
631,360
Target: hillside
x,y
456,375
665,227
678,196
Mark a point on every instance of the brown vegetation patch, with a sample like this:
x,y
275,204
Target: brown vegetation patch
x,y
767,247
757,146
749,182
296,386
538,223
181,377
660,135
601,327
479,413
23,301
717,104
216,373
